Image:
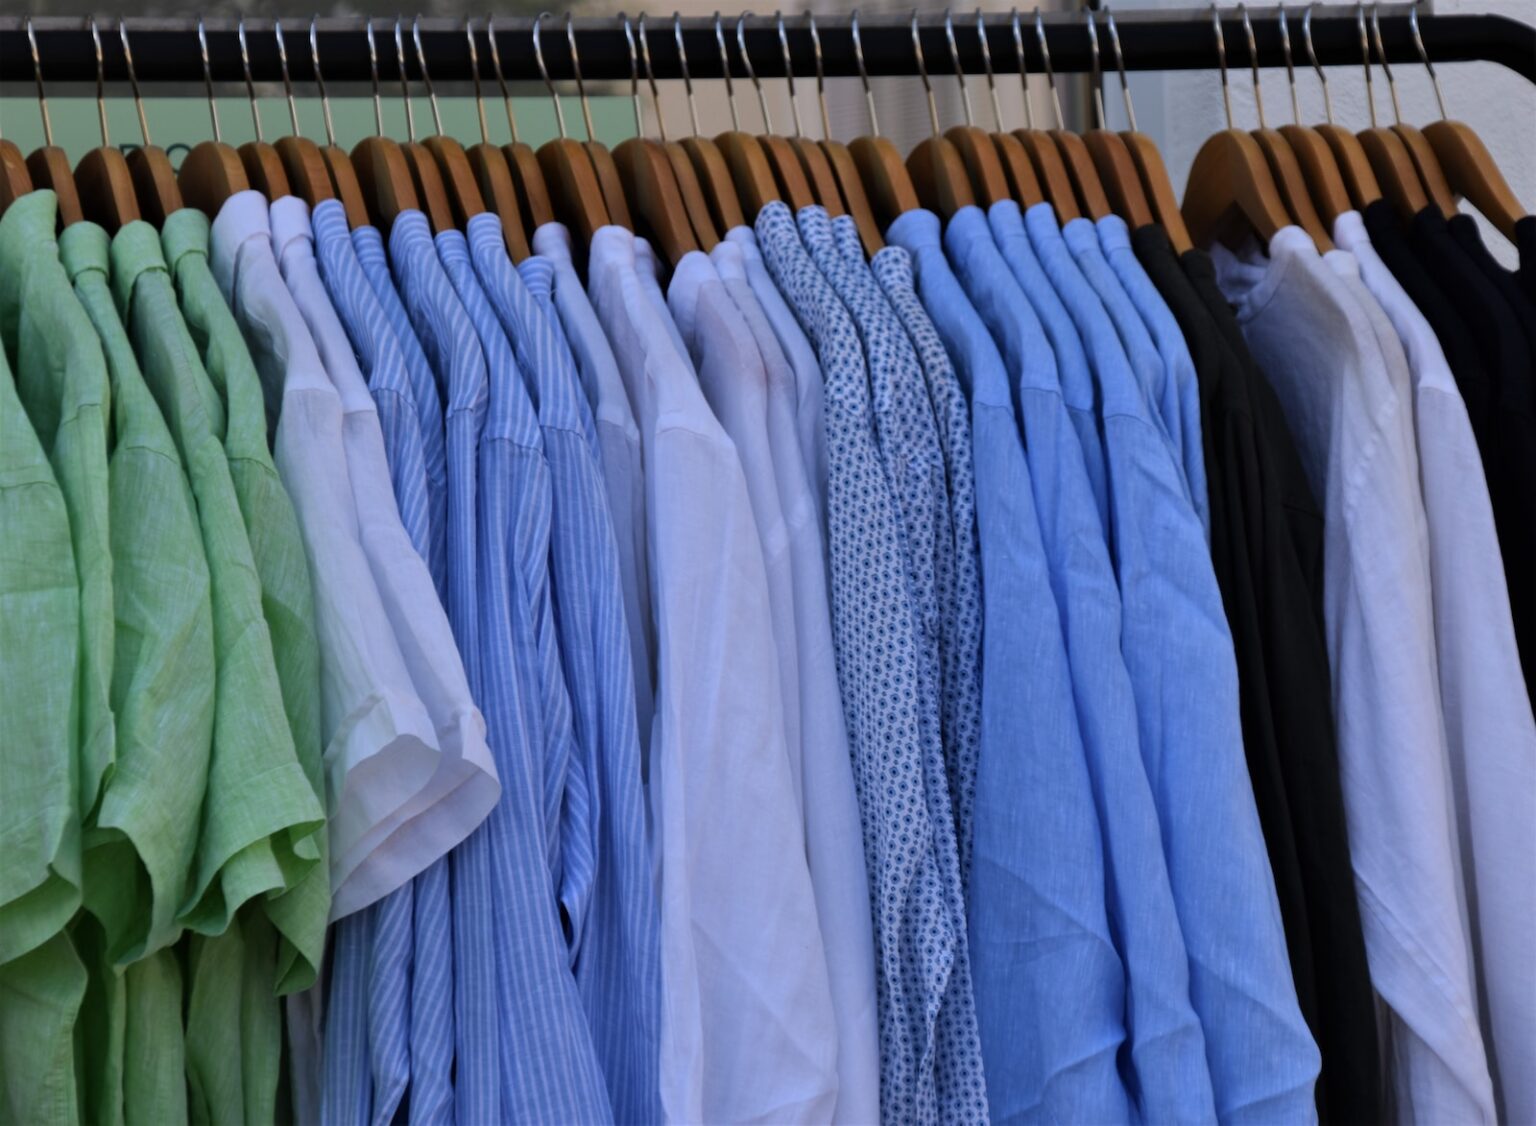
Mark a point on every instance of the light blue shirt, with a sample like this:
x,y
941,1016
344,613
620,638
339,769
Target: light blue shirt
x,y
1165,1073
1178,651
1050,988
1179,393
1073,380
368,1027
611,910
924,1076
960,614
424,397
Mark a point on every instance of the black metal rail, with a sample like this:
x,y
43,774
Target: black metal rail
x,y
166,52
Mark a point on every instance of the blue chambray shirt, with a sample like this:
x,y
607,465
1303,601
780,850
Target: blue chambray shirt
x,y
1178,650
612,913
425,396
960,620
875,627
1165,1072
1179,401
1008,225
1050,988
368,1027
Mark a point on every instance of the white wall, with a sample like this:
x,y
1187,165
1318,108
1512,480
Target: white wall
x,y
1182,109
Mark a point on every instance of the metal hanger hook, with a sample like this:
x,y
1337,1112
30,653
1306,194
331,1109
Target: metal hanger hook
x,y
538,55
650,77
373,68
1381,53
1221,59
1050,74
101,81
250,87
581,87
133,80
1018,50
325,101
789,73
405,86
426,78
501,80
1306,38
986,64
746,62
682,62
922,71
858,57
1125,86
821,77
1095,68
1290,70
474,74
1253,61
202,43
282,58
1365,57
634,75
725,70
1418,42
954,55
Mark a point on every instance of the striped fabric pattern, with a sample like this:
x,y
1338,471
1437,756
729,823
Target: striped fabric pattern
x,y
368,1022
611,910
547,1067
425,397
453,1028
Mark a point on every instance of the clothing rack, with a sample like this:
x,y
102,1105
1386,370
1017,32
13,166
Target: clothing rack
x,y
167,58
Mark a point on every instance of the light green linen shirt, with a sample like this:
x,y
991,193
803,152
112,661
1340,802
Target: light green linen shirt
x,y
41,980
234,388
62,381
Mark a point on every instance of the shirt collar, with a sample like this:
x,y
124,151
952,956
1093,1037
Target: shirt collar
x,y
538,274
84,247
1113,233
693,273
185,232
1349,230
553,241
918,230
135,250
242,218
290,225
729,260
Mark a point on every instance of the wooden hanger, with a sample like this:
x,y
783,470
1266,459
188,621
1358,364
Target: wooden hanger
x,y
703,156
488,165
106,186
452,162
427,180
812,161
1110,154
338,165
886,180
1414,143
603,167
792,184
1023,185
212,171
154,180
532,195
706,234
308,176
1394,168
1231,190
578,197
650,183
1469,168
1319,167
15,181
48,166
383,176
938,171
978,152
1043,152
840,160
1075,160
1282,161
745,158
263,167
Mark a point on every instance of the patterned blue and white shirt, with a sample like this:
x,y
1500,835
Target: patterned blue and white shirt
x,y
925,1076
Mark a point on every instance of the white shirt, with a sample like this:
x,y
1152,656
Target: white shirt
x,y
380,746
1311,337
618,441
833,833
1489,725
747,1031
801,357
465,785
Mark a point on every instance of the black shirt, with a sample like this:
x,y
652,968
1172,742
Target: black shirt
x,y
1504,383
1266,547
1525,242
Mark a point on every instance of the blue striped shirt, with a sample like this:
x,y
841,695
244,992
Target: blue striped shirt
x,y
547,1063
611,908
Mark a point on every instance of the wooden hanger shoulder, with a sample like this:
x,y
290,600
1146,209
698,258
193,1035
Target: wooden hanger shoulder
x,y
1118,175
458,178
1320,169
49,168
1472,171
1045,155
887,182
430,189
264,169
794,187
1023,184
15,180
489,166
343,177
106,190
1354,167
610,184
1293,186
210,174
384,178
308,177
1394,170
983,166
655,198
1082,173
715,179
1431,175
847,173
750,170
528,178
818,173
705,232
1160,194
938,173
1231,192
